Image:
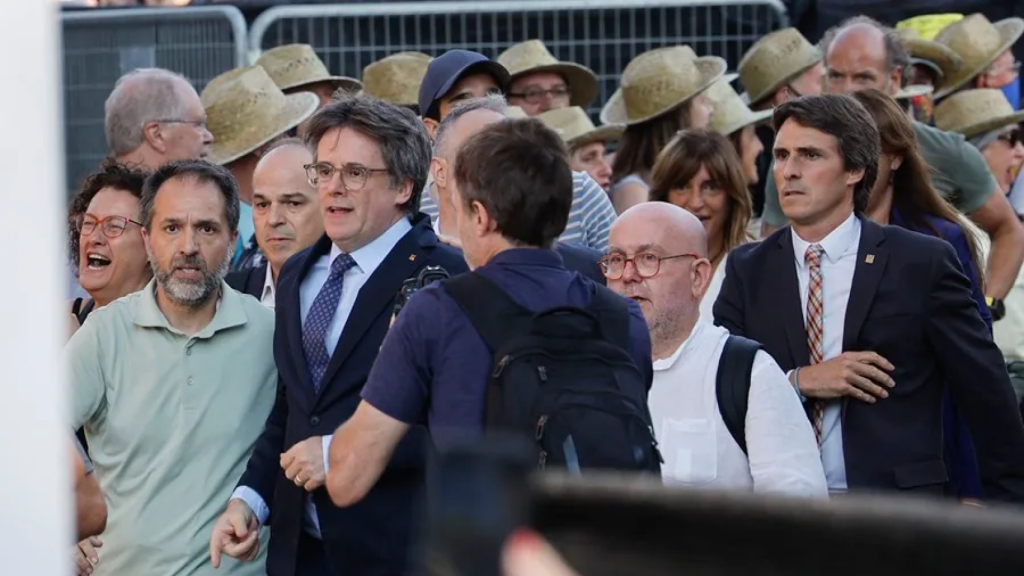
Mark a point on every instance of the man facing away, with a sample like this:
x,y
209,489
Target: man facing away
x,y
173,383
870,321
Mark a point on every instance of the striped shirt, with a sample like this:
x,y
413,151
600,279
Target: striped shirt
x,y
590,217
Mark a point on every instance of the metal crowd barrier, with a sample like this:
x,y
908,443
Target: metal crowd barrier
x,y
602,34
101,45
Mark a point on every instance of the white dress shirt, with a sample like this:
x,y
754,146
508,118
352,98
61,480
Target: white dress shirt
x,y
367,259
268,298
837,266
697,447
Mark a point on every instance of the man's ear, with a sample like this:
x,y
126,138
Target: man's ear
x,y
431,125
153,134
482,220
439,171
854,176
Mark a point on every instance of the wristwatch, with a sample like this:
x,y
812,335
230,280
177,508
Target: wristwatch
x,y
995,307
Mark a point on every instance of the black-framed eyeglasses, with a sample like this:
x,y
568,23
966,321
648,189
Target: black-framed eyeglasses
x,y
1011,137
647,264
111,226
536,95
353,176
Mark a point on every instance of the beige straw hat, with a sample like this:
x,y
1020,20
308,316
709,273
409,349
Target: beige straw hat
x,y
532,56
978,43
397,78
731,113
929,52
574,126
295,65
774,61
246,110
657,82
685,51
974,112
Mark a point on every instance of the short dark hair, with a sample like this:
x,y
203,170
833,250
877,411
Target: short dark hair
x,y
519,171
853,127
200,171
403,139
112,174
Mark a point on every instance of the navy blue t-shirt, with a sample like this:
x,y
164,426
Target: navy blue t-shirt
x,y
433,367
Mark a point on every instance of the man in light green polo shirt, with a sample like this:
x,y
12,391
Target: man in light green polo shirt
x,y
174,383
860,54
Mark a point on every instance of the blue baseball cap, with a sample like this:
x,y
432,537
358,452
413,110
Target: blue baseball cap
x,y
448,68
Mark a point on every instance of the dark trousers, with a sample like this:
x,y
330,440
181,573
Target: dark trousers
x,y
312,560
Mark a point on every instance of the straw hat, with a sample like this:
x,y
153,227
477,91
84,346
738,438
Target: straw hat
x,y
684,51
532,56
246,110
974,112
294,65
913,91
397,78
978,43
936,56
574,126
774,61
657,82
731,113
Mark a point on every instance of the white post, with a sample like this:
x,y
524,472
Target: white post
x,y
36,532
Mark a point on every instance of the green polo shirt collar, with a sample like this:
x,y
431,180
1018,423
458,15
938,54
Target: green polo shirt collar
x,y
230,312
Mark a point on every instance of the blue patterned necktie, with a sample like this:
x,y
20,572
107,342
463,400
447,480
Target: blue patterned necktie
x,y
318,321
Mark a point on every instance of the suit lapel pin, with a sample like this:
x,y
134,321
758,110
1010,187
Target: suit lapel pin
x,y
412,257
869,259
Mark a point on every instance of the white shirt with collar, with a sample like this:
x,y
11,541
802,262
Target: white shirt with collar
x,y
269,297
837,267
367,259
697,447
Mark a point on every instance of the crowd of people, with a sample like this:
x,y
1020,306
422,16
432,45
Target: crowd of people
x,y
808,288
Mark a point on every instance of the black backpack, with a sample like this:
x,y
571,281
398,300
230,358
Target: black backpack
x,y
732,385
564,377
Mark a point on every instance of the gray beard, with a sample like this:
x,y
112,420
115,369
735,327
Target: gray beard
x,y
186,293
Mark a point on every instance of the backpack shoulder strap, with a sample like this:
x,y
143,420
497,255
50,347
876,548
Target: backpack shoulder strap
x,y
612,313
493,313
732,385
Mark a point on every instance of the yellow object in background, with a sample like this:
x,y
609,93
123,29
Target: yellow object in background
x,y
928,26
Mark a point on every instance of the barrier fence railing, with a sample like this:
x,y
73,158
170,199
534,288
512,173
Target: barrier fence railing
x,y
602,34
101,45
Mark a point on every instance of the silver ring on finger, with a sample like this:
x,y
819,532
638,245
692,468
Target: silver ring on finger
x,y
298,481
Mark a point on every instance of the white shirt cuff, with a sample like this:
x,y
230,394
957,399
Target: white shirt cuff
x,y
254,501
327,451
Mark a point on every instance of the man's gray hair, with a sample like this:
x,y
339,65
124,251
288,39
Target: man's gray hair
x,y
492,102
402,137
896,55
140,96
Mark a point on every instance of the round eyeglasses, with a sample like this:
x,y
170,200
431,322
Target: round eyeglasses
x,y
111,226
647,264
353,176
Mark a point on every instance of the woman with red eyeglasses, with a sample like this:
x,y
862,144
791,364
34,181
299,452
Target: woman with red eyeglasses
x,y
105,238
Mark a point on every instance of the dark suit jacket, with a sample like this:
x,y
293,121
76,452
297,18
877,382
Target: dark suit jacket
x,y
911,304
372,537
582,259
249,281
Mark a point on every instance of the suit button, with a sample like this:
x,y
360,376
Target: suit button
x,y
314,421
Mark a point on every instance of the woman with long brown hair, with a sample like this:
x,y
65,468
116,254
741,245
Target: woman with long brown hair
x,y
701,172
662,92
903,196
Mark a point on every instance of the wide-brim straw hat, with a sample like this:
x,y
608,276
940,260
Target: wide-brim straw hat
x,y
685,51
913,91
246,110
532,57
660,81
297,65
974,112
397,77
773,62
574,126
978,43
731,113
936,56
